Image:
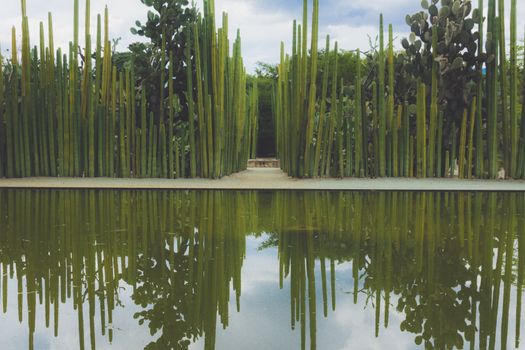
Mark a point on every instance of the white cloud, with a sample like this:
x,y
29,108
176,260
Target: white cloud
x,y
378,5
261,30
263,24
122,16
353,38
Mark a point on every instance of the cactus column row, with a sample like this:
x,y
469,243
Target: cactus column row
x,y
368,127
72,114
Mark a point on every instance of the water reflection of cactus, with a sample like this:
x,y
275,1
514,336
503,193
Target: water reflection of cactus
x,y
181,253
448,263
433,252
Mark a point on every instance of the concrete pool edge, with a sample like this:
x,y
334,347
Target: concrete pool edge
x,y
268,179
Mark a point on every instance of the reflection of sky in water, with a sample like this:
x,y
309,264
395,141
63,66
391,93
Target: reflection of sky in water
x,y
263,323
127,334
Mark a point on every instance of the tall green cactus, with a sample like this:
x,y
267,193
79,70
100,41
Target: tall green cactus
x,y
87,124
3,124
381,102
473,113
479,116
431,166
492,92
390,105
29,127
333,115
421,132
254,116
513,119
360,143
191,108
503,85
312,97
320,138
463,145
521,150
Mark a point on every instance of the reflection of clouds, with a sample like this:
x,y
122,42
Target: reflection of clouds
x,y
358,324
262,267
354,324
263,323
127,334
342,268
512,320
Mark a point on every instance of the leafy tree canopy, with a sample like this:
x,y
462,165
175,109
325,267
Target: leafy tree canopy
x,y
168,21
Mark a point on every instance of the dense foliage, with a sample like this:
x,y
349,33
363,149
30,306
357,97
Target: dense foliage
x,y
170,22
456,52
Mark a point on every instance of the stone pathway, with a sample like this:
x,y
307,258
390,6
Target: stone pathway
x,y
269,179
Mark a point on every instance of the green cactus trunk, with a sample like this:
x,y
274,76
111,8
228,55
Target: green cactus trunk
x,y
473,113
390,123
504,88
360,143
4,126
59,117
381,103
310,123
492,92
463,146
320,140
513,119
521,160
407,164
421,132
333,115
479,168
431,169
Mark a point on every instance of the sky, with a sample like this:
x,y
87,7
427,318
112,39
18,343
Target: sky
x,y
263,23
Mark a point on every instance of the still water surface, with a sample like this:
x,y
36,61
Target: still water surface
x,y
261,270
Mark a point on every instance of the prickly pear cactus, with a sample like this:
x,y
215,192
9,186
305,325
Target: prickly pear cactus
x,y
456,51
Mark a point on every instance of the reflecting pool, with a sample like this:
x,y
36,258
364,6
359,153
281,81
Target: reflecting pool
x,y
261,270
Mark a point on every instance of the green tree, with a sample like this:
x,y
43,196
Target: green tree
x,y
168,22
